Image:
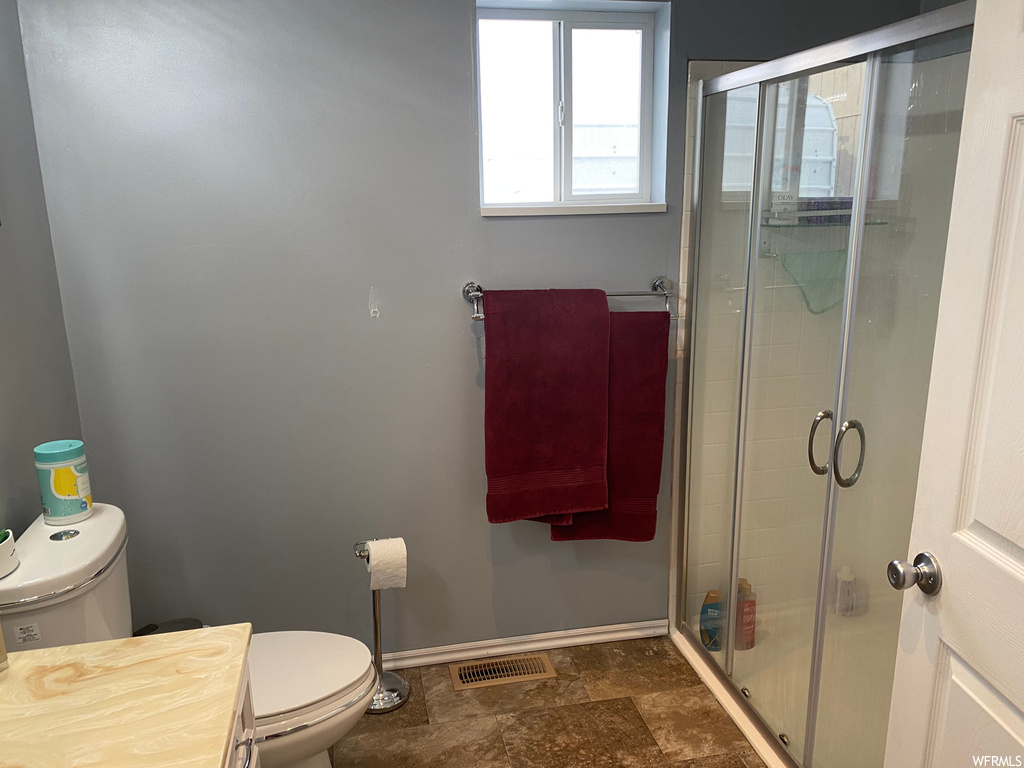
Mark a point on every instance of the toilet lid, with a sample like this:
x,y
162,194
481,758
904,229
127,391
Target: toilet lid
x,y
292,670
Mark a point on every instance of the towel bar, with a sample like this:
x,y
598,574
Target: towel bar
x,y
660,288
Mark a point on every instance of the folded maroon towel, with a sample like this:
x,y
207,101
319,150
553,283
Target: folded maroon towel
x,y
545,403
636,432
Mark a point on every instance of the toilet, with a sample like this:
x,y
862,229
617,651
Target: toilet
x,y
308,688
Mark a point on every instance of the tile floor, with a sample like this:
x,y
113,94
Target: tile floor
x,y
631,704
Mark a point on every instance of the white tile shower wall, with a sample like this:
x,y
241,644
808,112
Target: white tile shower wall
x,y
793,362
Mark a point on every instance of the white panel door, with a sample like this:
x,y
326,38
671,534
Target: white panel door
x,y
958,696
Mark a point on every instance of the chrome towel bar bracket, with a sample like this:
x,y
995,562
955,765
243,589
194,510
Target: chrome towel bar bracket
x,y
474,294
660,288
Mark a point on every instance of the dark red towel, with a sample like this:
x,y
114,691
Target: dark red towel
x,y
545,403
636,432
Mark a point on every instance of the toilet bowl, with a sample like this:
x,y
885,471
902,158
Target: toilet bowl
x,y
308,690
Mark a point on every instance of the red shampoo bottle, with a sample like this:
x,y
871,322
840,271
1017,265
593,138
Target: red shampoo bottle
x,y
746,616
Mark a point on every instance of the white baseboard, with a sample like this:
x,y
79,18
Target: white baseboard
x,y
503,646
760,738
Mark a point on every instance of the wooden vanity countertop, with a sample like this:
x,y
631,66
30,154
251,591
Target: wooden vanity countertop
x,y
158,700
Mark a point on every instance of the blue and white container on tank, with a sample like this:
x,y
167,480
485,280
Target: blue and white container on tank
x,y
63,475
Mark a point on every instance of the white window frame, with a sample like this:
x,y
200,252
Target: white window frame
x,y
564,23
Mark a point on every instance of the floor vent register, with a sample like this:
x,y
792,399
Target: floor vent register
x,y
481,673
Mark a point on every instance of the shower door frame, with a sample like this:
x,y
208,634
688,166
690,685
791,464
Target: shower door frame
x,y
869,47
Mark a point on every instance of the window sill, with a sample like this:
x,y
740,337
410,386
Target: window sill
x,y
570,210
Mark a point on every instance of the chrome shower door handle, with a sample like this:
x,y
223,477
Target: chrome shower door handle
x,y
815,468
846,482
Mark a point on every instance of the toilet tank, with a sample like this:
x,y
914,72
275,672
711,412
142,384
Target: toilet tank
x,y
71,586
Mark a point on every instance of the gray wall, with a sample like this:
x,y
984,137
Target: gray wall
x,y
227,182
37,392
934,5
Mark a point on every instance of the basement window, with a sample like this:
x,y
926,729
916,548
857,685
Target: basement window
x,y
567,109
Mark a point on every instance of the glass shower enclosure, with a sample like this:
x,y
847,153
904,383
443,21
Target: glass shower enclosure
x,y
825,184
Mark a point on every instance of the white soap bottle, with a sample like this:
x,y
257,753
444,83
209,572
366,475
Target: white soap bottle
x,y
846,592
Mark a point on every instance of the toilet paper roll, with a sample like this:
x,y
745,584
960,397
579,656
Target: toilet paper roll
x,y
386,563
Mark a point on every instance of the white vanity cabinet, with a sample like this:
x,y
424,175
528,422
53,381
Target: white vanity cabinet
x,y
243,752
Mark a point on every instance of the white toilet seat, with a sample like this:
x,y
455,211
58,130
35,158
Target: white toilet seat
x,y
282,723
308,690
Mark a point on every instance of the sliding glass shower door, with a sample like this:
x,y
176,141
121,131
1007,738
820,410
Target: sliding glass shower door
x,y
915,129
720,293
823,208
811,143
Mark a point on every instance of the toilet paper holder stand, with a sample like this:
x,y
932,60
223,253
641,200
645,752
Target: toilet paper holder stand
x,y
392,689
